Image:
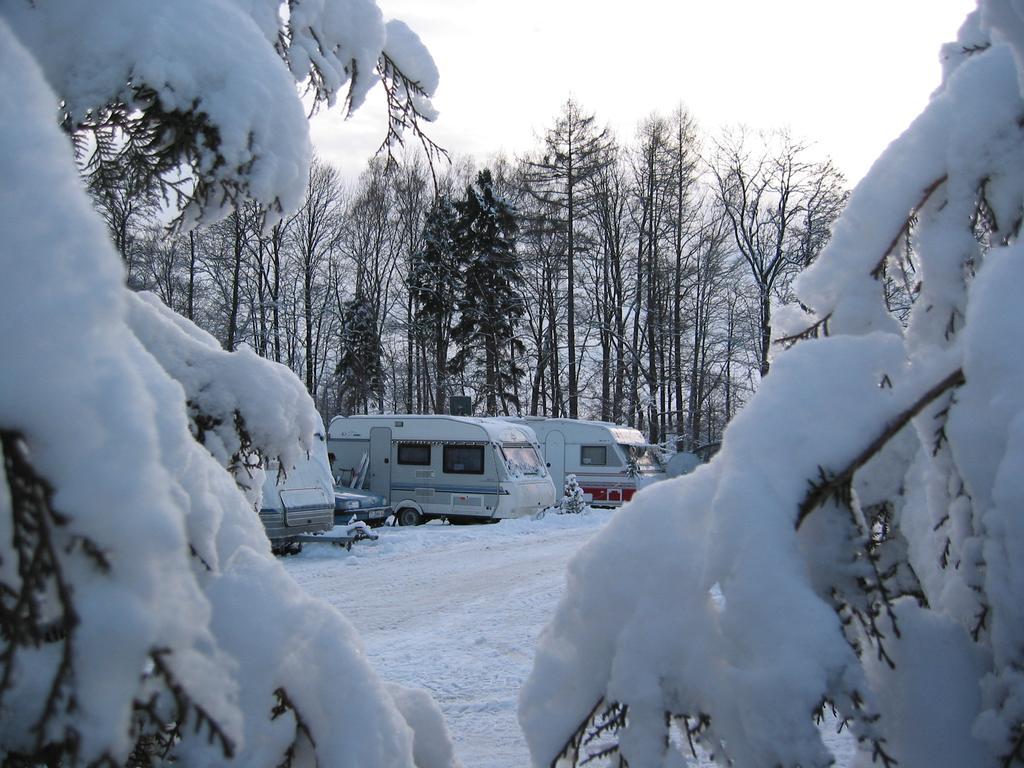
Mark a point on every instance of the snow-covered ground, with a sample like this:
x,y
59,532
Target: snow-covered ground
x,y
455,610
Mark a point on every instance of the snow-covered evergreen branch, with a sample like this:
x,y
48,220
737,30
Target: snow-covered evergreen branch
x,y
856,543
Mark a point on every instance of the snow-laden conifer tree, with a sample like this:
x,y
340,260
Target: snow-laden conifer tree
x,y
491,304
573,500
436,284
142,616
359,373
857,545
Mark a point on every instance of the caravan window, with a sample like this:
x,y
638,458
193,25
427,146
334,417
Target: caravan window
x,y
644,457
594,455
464,459
414,453
523,458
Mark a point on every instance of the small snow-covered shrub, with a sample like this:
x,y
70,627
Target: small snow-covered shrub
x,y
573,500
143,619
857,544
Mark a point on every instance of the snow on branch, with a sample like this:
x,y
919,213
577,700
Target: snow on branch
x,y
857,542
837,484
176,96
409,78
242,407
143,619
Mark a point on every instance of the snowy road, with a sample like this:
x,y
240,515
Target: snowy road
x,y
455,610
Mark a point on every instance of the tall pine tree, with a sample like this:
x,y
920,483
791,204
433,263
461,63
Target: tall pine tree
x,y
491,304
360,372
436,284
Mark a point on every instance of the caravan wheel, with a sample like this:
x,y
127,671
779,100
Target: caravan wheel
x,y
408,516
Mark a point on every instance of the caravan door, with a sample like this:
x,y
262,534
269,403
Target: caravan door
x,y
380,461
554,454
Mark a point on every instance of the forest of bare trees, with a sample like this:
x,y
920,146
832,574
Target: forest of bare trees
x,y
640,274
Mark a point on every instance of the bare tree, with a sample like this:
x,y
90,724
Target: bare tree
x,y
128,205
779,204
412,200
611,223
574,152
684,224
315,232
712,285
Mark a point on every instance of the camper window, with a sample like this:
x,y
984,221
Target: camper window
x,y
414,453
523,458
594,455
464,459
643,456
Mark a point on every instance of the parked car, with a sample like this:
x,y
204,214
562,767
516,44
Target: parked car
x,y
370,508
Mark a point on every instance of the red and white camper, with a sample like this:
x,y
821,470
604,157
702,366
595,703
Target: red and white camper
x,y
611,462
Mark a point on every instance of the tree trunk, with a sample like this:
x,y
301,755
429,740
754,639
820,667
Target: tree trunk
x,y
307,304
275,295
634,375
409,354
235,280
652,313
766,330
556,394
571,298
191,274
491,379
441,367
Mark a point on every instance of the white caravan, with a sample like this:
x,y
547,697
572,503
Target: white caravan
x,y
431,467
610,461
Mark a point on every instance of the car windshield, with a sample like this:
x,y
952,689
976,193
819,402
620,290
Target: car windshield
x,y
644,457
523,459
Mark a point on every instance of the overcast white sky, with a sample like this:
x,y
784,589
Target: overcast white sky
x,y
847,75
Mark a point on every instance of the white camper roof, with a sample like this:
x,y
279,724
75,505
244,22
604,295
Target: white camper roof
x,y
432,427
595,431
